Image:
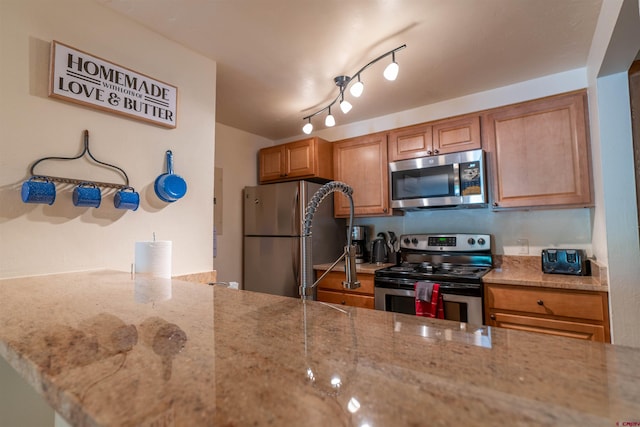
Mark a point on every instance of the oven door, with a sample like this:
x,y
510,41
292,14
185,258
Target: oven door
x,y
396,300
459,308
463,308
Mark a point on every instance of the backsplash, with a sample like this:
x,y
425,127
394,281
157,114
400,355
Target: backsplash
x,y
512,231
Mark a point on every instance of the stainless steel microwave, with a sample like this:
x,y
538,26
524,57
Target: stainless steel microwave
x,y
455,179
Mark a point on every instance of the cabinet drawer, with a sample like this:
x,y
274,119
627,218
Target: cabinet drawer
x,y
334,280
582,305
561,328
343,298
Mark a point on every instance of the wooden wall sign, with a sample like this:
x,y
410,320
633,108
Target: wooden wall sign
x,y
85,79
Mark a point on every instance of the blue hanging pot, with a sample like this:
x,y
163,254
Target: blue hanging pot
x,y
170,187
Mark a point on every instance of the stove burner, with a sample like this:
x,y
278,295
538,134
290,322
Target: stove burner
x,y
427,270
443,268
460,270
401,269
425,267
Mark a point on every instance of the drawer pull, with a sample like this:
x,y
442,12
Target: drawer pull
x,y
540,302
493,317
343,302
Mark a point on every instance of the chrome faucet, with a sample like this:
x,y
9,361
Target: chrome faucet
x,y
349,254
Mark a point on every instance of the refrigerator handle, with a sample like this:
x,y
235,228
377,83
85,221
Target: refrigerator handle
x,y
295,212
295,256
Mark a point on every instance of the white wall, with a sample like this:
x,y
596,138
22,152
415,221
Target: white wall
x,y
236,155
615,46
42,239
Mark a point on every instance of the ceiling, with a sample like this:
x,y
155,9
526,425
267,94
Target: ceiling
x,y
277,59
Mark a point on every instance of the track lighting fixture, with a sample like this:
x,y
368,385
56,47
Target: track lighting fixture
x,y
390,73
308,128
329,121
357,88
345,106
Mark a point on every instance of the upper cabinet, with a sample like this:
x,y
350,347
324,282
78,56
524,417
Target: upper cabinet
x,y
539,153
410,142
430,139
362,164
306,159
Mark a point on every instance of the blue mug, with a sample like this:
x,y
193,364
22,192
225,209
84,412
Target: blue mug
x,y
38,190
126,199
87,194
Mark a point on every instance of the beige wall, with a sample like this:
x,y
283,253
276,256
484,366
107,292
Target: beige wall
x,y
236,156
41,239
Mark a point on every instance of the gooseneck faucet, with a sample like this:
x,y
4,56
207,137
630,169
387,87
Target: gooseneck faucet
x,y
349,254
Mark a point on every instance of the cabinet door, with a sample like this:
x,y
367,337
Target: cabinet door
x,y
300,159
457,134
271,163
362,163
562,328
410,142
539,153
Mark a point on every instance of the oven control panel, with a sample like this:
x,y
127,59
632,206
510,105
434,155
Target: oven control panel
x,y
446,242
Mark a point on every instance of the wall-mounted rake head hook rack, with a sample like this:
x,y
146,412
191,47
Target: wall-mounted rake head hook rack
x,y
85,151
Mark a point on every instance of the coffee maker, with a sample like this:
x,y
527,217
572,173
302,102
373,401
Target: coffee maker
x,y
359,240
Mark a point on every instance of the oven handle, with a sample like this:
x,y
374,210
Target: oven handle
x,y
396,292
384,282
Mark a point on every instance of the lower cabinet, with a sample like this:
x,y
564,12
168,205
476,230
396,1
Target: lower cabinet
x,y
330,290
568,313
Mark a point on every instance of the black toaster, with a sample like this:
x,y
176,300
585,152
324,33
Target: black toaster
x,y
565,261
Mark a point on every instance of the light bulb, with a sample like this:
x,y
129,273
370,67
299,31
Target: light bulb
x,y
391,72
357,88
307,128
345,106
329,121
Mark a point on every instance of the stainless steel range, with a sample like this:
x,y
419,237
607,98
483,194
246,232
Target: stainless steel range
x,y
456,262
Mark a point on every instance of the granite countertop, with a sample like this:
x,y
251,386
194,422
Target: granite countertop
x,y
365,267
108,350
527,271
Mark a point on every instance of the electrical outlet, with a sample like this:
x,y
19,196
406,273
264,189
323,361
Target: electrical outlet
x,y
523,246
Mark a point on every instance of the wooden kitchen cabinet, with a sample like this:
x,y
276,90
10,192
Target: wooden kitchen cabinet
x,y
306,159
330,290
440,137
539,153
410,142
563,312
362,164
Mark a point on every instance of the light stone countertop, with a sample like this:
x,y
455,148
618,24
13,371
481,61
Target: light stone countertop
x,y
107,350
527,271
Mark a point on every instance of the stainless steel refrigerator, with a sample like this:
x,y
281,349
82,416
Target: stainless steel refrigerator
x,y
273,215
